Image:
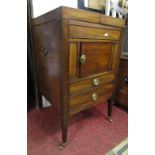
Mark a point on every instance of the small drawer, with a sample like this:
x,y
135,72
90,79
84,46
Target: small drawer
x,y
108,20
84,100
86,84
76,31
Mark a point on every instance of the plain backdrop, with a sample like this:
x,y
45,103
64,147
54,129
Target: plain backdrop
x,y
43,6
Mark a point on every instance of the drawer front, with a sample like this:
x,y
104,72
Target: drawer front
x,y
95,58
84,100
76,31
91,83
108,20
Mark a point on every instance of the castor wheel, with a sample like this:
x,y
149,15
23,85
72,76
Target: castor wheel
x,y
110,119
62,146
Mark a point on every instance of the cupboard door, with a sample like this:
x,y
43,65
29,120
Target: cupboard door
x,y
95,58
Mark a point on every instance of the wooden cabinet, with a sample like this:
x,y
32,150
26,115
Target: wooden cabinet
x,y
76,56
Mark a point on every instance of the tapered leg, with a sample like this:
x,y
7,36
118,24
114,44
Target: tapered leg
x,y
64,126
110,104
39,100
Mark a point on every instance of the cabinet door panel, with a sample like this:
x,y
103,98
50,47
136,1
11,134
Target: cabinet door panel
x,y
98,57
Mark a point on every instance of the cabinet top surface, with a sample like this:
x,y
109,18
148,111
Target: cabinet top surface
x,y
64,12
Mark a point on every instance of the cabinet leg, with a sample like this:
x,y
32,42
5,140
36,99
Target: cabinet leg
x,y
64,127
39,100
110,104
62,146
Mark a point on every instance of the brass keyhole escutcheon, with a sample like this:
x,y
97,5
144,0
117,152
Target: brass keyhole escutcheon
x,y
96,82
83,59
94,97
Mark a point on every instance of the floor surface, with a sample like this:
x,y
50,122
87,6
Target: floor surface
x,y
89,132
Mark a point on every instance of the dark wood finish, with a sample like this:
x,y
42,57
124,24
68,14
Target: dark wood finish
x,y
73,57
112,21
110,104
39,100
93,25
61,77
48,37
122,84
116,55
80,101
93,33
87,84
32,91
98,56
81,15
78,14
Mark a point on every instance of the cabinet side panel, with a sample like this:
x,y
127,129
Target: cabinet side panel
x,y
116,55
47,49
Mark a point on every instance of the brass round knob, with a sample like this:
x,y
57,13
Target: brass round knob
x,y
94,97
82,58
96,82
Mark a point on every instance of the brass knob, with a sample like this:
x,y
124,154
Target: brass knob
x,y
82,58
94,97
96,82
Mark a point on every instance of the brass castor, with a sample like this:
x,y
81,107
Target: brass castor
x,y
62,145
110,119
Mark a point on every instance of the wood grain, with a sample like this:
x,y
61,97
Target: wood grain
x,y
93,33
116,55
87,84
78,14
92,25
73,57
108,20
48,17
84,99
48,36
82,15
98,56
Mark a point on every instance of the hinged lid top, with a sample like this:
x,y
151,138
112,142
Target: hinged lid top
x,y
78,14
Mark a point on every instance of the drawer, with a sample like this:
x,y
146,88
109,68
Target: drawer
x,y
76,31
108,20
95,58
84,100
91,83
